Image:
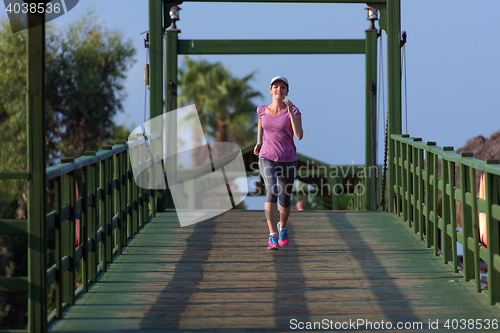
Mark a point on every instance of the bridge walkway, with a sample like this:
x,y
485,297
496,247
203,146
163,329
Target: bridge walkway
x,y
218,276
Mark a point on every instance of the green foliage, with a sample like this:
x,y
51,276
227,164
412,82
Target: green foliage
x,y
311,202
85,70
86,66
224,103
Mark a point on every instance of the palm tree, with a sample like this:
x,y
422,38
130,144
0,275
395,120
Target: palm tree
x,y
224,103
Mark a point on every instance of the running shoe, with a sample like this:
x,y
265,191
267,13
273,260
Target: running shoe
x,y
273,242
283,235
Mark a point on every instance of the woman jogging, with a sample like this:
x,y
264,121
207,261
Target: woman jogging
x,y
278,123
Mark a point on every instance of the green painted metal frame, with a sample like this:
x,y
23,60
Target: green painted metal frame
x,y
130,203
417,204
390,21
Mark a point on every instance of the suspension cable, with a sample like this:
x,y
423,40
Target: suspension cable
x,y
406,85
385,122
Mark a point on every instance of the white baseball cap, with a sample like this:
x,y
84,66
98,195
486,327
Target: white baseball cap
x,y
282,78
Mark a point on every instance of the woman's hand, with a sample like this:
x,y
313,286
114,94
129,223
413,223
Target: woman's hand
x,y
289,104
257,148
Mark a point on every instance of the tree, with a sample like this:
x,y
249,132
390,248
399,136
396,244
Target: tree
x,y
86,66
224,103
85,69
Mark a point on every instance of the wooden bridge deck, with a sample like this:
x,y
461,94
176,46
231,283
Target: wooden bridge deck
x,y
219,276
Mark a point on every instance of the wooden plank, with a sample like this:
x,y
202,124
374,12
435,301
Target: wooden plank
x,y
219,276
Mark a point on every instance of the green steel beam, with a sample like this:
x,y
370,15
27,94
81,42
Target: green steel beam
x,y
37,270
155,58
155,63
370,115
298,46
393,87
297,1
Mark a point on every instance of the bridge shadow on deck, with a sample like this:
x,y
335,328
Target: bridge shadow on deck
x,y
218,276
393,303
173,301
290,300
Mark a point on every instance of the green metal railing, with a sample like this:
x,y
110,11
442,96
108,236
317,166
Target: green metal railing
x,y
112,207
417,190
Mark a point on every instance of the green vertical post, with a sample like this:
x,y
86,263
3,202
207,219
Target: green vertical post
x,y
491,194
103,214
92,217
393,85
123,171
68,234
453,215
117,198
130,199
475,229
414,182
123,199
446,242
395,158
409,183
420,158
171,82
58,245
84,220
156,31
467,229
429,196
435,225
37,264
370,115
106,223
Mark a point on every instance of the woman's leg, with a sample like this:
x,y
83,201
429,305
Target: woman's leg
x,y
268,172
286,178
271,211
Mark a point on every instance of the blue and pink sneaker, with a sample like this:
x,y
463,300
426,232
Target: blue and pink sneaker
x,y
273,242
283,235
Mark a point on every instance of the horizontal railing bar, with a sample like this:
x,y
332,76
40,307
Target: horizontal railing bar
x,y
114,222
89,244
90,201
14,284
496,262
50,220
79,204
78,254
13,227
65,213
64,168
451,155
65,264
99,236
8,175
51,276
495,211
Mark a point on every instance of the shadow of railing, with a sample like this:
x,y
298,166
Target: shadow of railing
x,y
391,300
174,299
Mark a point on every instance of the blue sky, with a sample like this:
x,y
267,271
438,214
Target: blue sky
x,y
452,65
